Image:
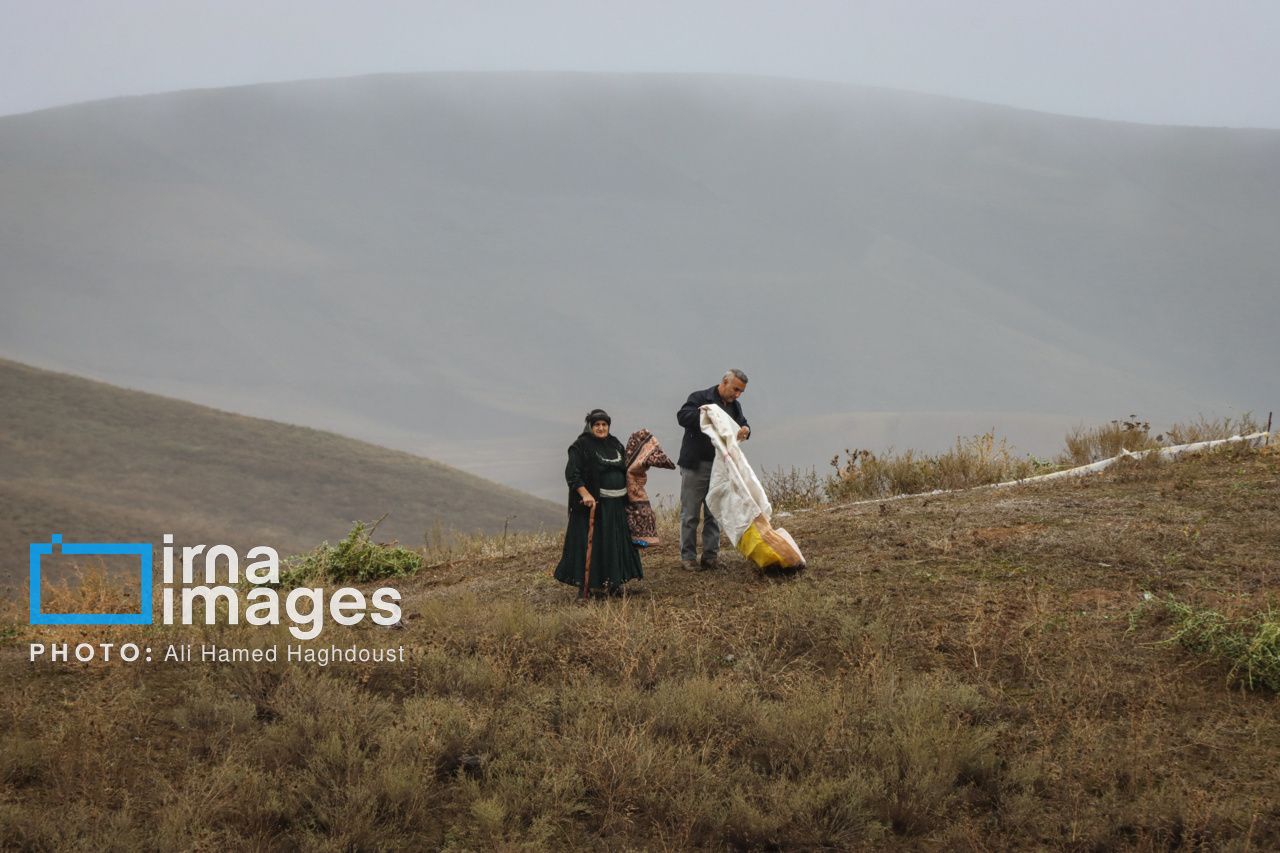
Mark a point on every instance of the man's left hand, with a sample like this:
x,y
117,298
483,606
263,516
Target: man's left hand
x,y
743,433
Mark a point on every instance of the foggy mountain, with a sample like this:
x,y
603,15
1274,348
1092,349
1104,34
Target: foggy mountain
x,y
462,265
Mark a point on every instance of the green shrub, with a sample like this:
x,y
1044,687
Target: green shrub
x,y
1250,643
356,559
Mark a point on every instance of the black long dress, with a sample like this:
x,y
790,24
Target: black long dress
x,y
598,464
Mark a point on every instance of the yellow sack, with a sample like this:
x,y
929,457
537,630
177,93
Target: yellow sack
x,y
763,545
737,499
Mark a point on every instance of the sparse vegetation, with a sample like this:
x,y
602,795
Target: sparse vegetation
x,y
1093,444
91,588
1210,429
1087,445
975,461
979,460
443,545
356,559
865,475
794,489
1248,643
951,672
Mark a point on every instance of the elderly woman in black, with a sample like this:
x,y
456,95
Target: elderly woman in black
x,y
597,477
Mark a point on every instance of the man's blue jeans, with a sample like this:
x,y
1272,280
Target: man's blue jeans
x,y
693,497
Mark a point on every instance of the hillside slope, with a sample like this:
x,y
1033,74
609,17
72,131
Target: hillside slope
x,y
99,463
982,670
462,265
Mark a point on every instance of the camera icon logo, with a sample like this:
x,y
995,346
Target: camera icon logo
x,y
142,549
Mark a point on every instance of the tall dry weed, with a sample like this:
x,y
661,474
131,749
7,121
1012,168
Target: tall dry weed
x,y
793,489
1211,429
974,461
1086,445
92,588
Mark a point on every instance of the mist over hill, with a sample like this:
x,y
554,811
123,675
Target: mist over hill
x,y
462,265
104,464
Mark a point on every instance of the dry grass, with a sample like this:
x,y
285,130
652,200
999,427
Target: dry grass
x,y
442,544
794,489
975,461
1209,429
951,673
1086,445
91,588
979,460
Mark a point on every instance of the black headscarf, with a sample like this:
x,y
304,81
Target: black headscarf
x,y
593,450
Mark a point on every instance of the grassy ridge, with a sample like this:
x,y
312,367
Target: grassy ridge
x,y
89,460
980,670
981,460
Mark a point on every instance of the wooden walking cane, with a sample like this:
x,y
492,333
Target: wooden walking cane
x,y
591,532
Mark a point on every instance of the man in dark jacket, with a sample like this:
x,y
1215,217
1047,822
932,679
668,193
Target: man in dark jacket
x,y
697,455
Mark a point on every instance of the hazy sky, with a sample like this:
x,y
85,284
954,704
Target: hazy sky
x,y
1207,62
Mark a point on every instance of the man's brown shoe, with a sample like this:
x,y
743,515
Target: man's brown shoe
x,y
691,565
712,564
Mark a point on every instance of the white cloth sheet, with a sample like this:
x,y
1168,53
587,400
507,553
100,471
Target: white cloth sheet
x,y
735,496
